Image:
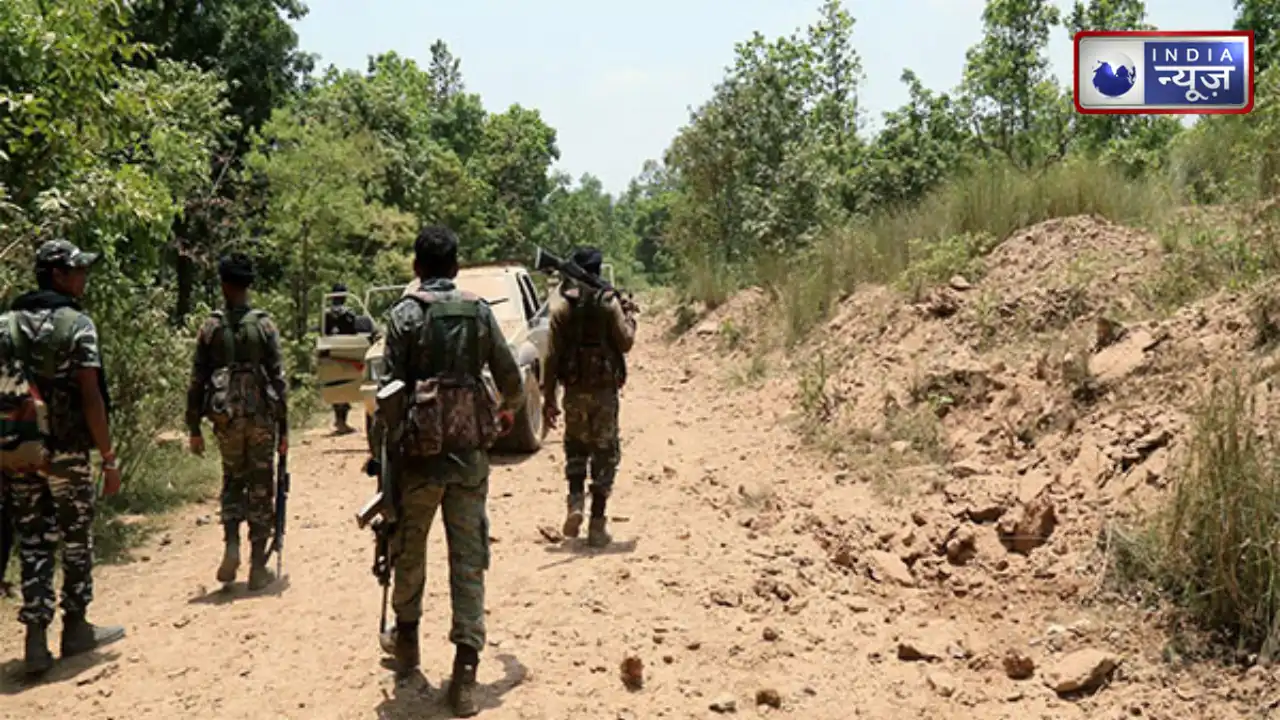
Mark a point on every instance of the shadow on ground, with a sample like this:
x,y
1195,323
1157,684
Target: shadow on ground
x,y
14,681
414,697
238,591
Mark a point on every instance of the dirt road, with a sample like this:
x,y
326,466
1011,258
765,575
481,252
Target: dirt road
x,y
718,581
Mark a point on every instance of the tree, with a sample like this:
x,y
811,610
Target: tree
x,y
922,144
249,43
1263,18
1018,109
1137,142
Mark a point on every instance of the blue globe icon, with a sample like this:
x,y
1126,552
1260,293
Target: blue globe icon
x,y
1114,74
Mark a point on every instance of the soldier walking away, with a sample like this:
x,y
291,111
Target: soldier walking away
x,y
51,337
340,320
237,381
439,339
590,335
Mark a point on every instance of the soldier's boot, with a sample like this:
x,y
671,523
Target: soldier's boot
x,y
401,643
80,636
260,575
462,686
597,536
38,659
231,554
573,519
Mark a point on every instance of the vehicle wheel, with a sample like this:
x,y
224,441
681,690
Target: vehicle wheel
x,y
526,436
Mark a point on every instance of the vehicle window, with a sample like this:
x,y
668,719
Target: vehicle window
x,y
494,287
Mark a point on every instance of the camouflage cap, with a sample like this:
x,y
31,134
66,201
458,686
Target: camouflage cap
x,y
62,253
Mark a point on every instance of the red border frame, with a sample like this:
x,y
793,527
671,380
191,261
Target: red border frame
x,y
1075,71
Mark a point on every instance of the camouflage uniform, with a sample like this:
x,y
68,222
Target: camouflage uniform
x,y
340,320
247,442
59,502
581,318
60,342
457,484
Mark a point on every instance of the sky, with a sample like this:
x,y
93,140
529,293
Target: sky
x,y
618,80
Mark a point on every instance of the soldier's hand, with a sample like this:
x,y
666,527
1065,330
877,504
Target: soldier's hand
x,y
111,481
283,448
550,414
196,442
506,421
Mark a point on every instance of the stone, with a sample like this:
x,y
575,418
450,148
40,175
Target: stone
x,y
888,568
1018,665
1029,528
1081,671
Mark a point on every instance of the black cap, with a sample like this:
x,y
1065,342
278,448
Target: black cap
x,y
339,287
589,259
236,269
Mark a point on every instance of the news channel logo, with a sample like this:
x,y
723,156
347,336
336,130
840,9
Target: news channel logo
x,y
1148,72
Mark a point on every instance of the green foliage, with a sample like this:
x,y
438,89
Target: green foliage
x,y
1213,549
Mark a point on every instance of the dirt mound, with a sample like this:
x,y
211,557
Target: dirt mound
x,y
732,326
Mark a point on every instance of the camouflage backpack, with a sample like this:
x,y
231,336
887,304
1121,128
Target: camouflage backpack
x,y
451,410
236,388
24,414
590,361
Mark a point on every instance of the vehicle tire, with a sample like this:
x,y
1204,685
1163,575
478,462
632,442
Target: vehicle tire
x,y
526,436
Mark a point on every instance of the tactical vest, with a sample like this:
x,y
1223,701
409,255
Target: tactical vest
x,y
451,409
237,386
590,361
26,427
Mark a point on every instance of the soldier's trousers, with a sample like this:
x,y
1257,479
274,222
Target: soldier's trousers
x,y
47,507
248,447
591,439
340,412
466,528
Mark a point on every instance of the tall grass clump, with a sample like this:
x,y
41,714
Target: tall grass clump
x,y
1215,550
949,231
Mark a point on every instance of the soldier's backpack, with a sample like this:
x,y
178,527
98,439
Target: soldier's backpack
x,y
236,386
24,414
451,410
590,361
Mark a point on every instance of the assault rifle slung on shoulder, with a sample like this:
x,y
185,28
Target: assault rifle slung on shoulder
x,y
545,262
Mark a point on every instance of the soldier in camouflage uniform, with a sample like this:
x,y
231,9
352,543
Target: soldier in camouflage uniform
x,y
59,346
340,320
590,335
456,483
237,381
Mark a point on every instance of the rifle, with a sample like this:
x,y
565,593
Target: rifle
x,y
282,502
545,262
380,512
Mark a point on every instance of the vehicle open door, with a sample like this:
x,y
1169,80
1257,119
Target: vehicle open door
x,y
340,359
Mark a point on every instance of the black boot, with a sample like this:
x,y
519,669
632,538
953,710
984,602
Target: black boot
x,y
401,642
38,659
231,553
462,686
260,575
80,636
